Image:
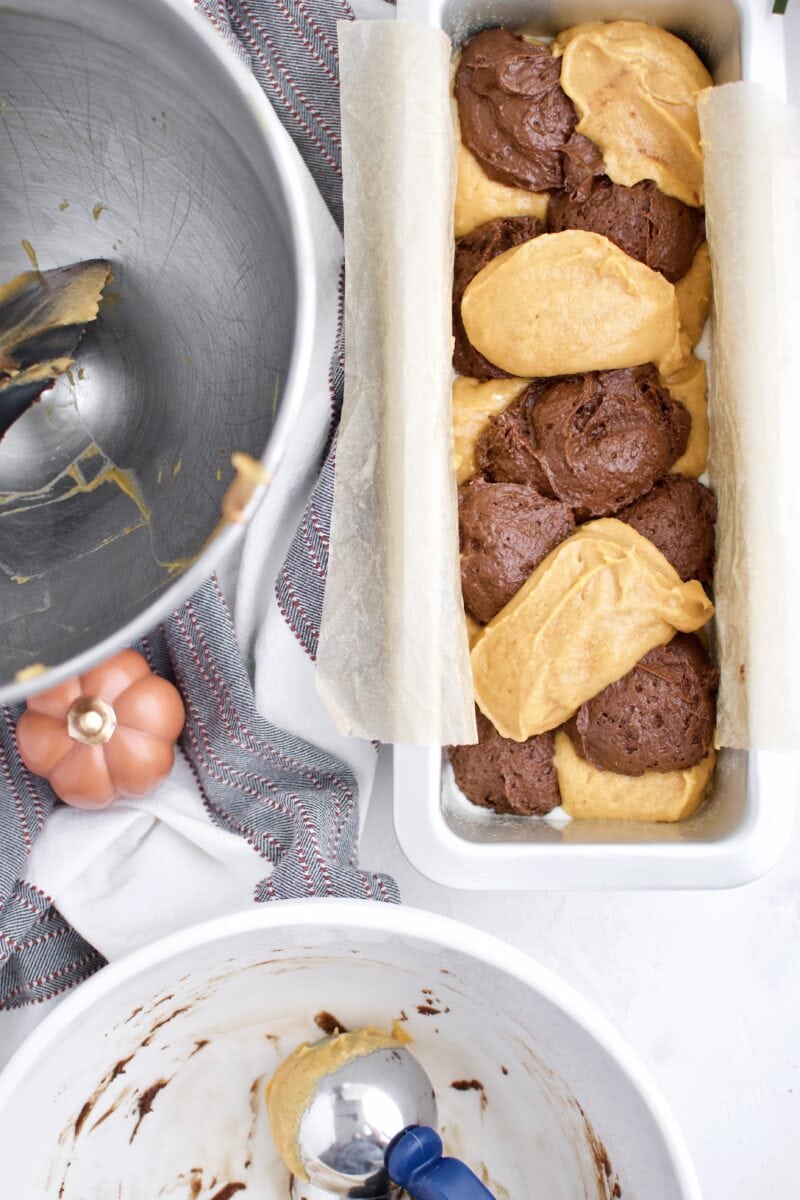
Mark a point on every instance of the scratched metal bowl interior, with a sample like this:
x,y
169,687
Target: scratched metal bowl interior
x,y
124,136
151,1085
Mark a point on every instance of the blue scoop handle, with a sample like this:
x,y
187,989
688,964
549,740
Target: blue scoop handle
x,y
414,1161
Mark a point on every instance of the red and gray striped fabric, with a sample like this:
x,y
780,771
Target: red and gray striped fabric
x,y
293,803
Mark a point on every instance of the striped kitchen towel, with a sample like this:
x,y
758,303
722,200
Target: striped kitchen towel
x,y
263,802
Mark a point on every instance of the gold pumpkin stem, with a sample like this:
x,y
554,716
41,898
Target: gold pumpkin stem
x,y
91,720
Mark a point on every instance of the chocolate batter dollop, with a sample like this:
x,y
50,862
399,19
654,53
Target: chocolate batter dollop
x,y
658,717
583,161
514,116
473,252
597,441
678,516
604,438
658,230
510,777
506,531
506,452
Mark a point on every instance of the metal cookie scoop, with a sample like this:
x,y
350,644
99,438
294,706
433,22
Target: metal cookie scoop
x,y
365,1134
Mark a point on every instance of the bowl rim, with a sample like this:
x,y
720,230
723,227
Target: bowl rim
x,y
290,175
394,921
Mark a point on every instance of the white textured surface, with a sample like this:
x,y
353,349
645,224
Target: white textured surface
x,y
395,519
705,986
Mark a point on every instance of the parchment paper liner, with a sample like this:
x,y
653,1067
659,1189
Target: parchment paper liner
x,y
752,179
393,660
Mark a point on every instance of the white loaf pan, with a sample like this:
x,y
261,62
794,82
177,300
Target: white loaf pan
x,y
743,828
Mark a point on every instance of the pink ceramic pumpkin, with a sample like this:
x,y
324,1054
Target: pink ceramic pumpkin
x,y
109,733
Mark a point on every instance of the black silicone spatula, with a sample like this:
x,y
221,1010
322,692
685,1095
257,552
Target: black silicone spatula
x,y
42,318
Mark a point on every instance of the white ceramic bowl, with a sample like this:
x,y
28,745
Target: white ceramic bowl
x,y
147,1082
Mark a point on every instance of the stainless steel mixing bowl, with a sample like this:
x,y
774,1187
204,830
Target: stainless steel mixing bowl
x,y
130,131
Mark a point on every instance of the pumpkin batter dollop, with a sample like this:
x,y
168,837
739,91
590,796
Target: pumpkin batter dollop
x,y
590,794
635,87
583,619
474,405
569,302
694,298
291,1088
473,252
688,385
480,199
